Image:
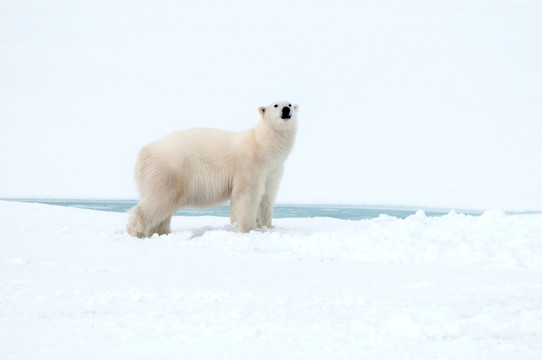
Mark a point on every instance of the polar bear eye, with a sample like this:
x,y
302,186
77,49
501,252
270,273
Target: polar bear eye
x,y
276,105
289,105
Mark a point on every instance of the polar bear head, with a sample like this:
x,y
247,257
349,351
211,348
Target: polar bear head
x,y
279,113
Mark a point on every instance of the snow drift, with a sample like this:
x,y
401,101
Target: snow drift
x,y
74,285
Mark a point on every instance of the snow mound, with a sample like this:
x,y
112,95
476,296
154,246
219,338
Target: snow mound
x,y
455,239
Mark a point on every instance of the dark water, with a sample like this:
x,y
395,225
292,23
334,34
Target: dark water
x,y
346,212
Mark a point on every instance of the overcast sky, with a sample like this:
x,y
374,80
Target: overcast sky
x,y
430,103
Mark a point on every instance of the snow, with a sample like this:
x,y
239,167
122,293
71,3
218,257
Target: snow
x,y
73,285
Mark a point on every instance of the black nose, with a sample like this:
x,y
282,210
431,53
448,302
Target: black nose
x,y
285,111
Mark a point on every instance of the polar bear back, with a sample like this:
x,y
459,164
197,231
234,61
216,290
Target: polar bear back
x,y
199,143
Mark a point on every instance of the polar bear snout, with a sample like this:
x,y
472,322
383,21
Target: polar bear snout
x,y
286,113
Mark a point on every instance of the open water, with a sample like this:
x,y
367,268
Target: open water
x,y
345,212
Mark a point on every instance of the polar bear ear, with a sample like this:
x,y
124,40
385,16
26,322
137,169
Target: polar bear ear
x,y
261,110
296,108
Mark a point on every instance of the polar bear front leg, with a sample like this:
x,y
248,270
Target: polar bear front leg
x,y
265,210
245,200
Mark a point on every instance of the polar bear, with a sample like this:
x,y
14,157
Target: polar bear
x,y
205,167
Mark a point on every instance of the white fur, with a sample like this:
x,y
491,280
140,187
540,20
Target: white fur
x,y
205,167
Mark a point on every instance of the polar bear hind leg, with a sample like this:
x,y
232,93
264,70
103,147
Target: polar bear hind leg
x,y
149,217
153,214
